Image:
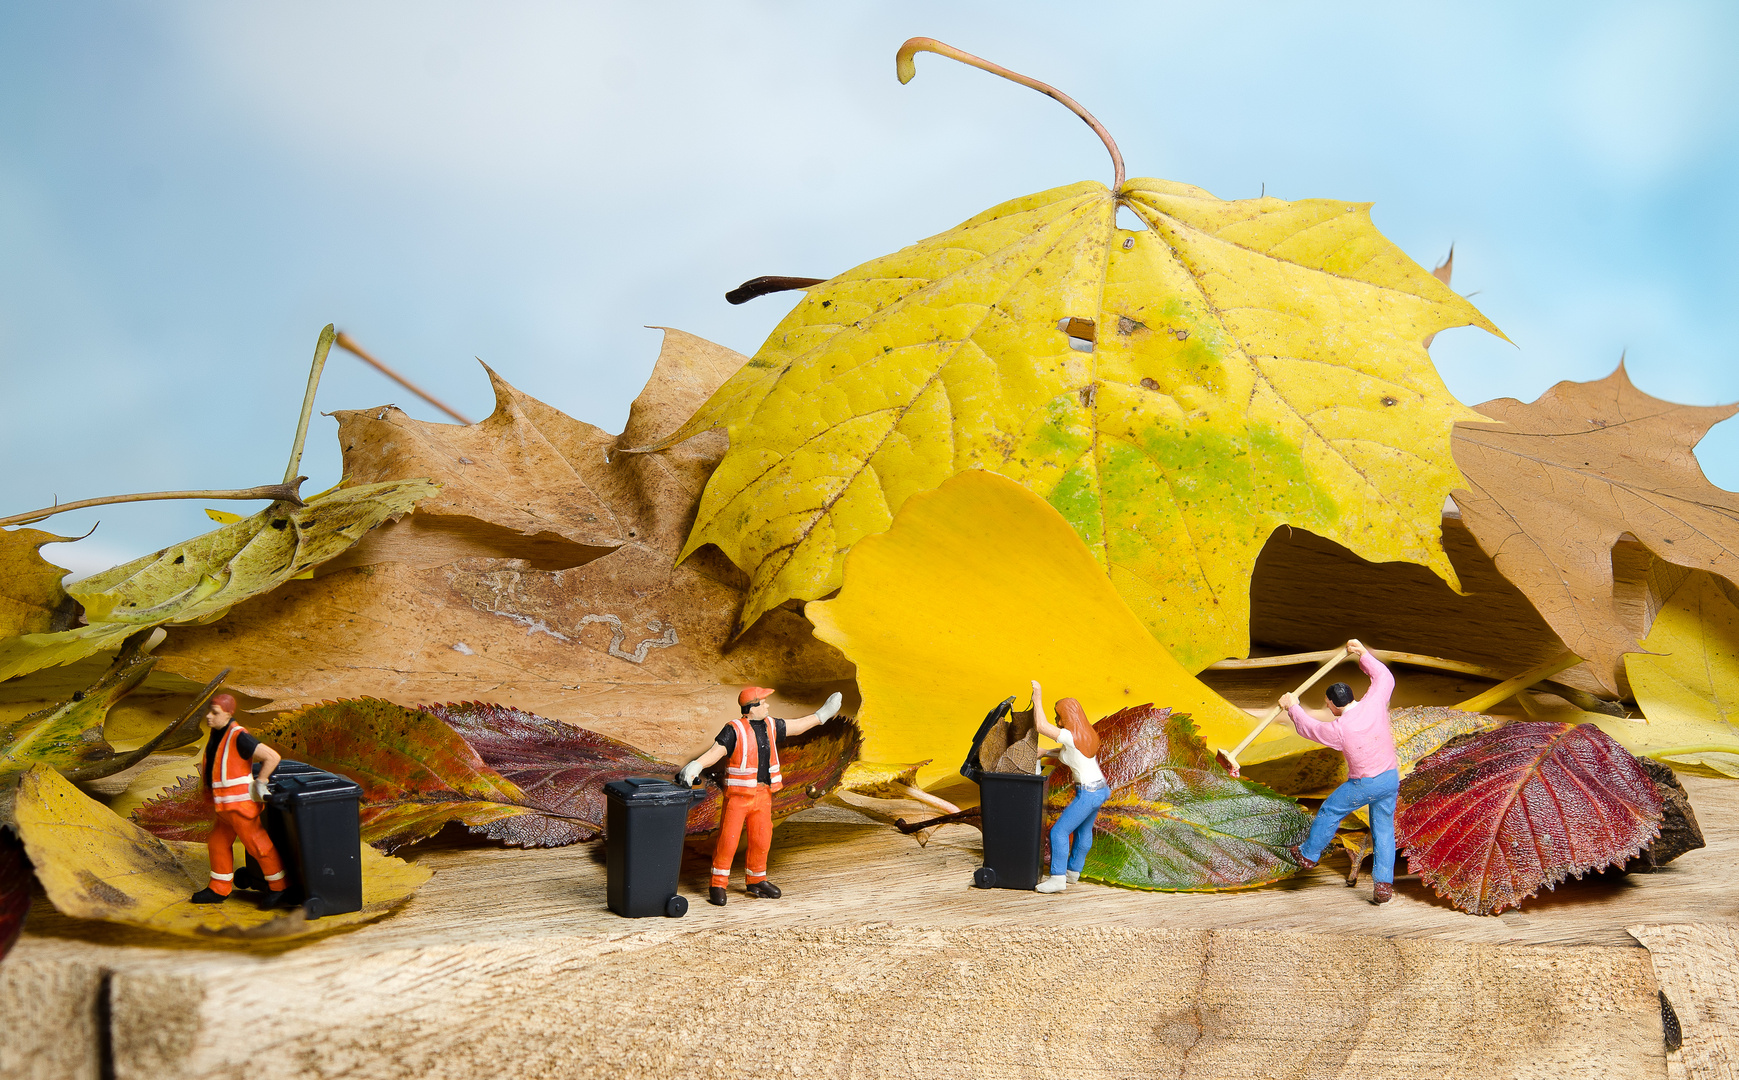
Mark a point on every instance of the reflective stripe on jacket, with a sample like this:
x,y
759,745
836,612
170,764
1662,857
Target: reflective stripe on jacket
x,y
230,775
744,768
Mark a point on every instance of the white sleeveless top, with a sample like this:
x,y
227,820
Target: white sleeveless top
x,y
1086,769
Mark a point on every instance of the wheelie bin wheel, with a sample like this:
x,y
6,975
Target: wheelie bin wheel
x,y
984,877
676,907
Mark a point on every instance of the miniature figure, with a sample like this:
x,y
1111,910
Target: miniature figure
x,y
1078,747
751,778
1361,731
235,795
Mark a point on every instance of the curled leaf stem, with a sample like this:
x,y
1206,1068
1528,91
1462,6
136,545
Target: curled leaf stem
x,y
285,492
321,348
905,68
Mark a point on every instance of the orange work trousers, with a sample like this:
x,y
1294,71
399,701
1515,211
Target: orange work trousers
x,y
221,845
754,806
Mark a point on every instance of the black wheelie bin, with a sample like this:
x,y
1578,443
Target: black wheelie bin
x,y
314,820
1012,806
645,821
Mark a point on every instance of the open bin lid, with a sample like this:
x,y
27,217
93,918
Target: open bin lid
x,y
971,769
650,791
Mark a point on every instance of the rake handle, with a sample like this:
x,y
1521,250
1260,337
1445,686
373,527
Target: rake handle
x,y
1268,718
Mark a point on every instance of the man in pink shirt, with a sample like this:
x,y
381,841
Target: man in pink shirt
x,y
1361,731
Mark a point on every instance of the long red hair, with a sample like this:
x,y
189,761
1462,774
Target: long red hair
x,y
1071,716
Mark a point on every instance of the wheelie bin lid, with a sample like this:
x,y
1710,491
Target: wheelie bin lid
x,y
650,791
309,785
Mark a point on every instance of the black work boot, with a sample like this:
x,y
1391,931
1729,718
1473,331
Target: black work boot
x,y
279,899
766,890
715,895
206,896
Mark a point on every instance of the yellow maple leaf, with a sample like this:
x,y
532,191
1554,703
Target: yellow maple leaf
x,y
979,588
1176,392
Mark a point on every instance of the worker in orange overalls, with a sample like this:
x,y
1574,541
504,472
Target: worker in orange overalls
x,y
235,795
751,777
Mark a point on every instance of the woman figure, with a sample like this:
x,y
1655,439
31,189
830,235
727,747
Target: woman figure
x,y
1078,747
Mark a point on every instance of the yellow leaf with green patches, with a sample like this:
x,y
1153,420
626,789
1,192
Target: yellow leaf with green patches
x,y
198,580
93,864
1688,690
979,588
1176,393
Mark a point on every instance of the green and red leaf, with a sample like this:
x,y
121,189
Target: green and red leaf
x,y
1175,820
1491,818
417,773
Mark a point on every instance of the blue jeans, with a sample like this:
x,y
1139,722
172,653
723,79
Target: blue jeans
x,y
1378,792
1072,835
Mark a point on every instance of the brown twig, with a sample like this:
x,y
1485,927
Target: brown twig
x,y
348,344
969,816
761,286
905,68
275,492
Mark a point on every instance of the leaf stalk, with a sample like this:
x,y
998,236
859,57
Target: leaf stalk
x,y
321,348
285,492
906,68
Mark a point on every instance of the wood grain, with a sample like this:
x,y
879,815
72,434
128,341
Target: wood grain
x,y
883,961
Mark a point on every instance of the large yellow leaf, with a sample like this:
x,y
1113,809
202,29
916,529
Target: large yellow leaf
x,y
1688,690
1257,363
977,589
93,864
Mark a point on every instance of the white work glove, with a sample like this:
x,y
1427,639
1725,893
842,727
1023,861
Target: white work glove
x,y
258,791
689,772
828,709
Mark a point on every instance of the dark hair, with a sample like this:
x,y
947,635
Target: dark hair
x,y
1341,694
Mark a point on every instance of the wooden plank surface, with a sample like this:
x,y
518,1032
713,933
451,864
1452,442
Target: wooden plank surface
x,y
1697,966
506,948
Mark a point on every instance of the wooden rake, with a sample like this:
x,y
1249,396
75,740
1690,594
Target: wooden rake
x,y
1230,760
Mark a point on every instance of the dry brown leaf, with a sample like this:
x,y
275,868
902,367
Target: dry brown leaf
x,y
1554,485
448,605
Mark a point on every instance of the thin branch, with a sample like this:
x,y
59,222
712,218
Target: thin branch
x,y
1385,655
321,348
905,68
275,492
348,344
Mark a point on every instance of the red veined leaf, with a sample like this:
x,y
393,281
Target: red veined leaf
x,y
1175,820
16,877
1491,818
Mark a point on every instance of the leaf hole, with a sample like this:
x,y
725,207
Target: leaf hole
x,y
1082,333
281,524
179,559
1129,221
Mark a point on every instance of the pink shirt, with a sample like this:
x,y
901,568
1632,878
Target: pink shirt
x,y
1362,731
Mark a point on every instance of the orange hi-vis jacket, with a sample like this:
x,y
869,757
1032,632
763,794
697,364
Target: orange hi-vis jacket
x,y
742,772
227,787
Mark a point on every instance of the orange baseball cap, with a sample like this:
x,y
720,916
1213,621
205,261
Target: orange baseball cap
x,y
752,694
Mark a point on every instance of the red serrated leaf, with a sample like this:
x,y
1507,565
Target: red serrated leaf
x,y
812,764
16,877
1491,818
561,769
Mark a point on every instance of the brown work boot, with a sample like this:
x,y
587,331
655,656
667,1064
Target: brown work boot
x,y
764,889
1383,893
1298,857
715,895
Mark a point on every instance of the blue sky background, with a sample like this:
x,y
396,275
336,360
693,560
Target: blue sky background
x,y
189,191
